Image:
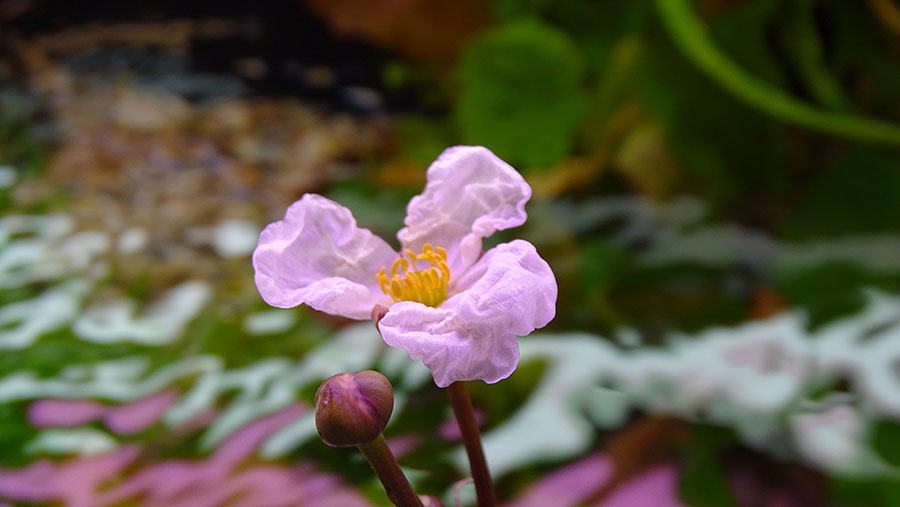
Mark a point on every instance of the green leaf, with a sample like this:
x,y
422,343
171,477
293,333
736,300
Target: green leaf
x,y
826,291
703,484
603,264
858,54
856,193
16,431
886,441
730,151
522,93
595,25
858,492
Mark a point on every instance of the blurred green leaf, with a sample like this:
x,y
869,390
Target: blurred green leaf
x,y
886,441
15,433
803,42
498,404
689,32
742,31
682,297
506,9
831,290
860,53
857,492
423,139
522,93
380,210
730,152
603,263
856,193
595,25
703,483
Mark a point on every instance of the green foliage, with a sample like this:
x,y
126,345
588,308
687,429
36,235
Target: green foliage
x,y
857,192
19,143
595,25
56,350
741,32
730,151
423,139
886,441
677,298
16,431
548,83
20,147
380,210
603,263
807,52
861,54
703,483
506,9
223,336
857,492
499,405
522,93
831,290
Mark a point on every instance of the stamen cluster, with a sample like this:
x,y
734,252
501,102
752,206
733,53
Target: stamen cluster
x,y
427,286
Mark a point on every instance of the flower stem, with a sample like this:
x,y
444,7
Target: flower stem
x,y
692,37
398,488
465,416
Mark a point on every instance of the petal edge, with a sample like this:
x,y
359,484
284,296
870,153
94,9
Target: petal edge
x,y
471,193
318,256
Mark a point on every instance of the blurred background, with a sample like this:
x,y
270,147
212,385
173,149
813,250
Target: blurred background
x,y
716,186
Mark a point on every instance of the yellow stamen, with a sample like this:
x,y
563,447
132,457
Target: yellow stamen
x,y
428,286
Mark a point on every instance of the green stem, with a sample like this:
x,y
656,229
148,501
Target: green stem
x,y
693,39
810,60
397,487
468,426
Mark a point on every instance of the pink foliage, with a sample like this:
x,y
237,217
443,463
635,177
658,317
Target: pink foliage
x,y
123,419
225,477
576,483
55,413
449,429
139,415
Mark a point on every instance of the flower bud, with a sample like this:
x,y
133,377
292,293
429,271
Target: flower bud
x,y
353,408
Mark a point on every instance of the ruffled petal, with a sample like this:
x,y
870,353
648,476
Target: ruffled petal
x,y
508,293
511,285
452,352
319,257
470,194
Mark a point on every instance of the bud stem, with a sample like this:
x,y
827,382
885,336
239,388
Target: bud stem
x,y
465,417
398,488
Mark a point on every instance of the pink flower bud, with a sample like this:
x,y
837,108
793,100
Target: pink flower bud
x,y
353,408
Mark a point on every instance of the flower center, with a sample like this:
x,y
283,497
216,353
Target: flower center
x,y
427,286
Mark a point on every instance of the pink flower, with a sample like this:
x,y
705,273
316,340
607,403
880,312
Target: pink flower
x,y
450,304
